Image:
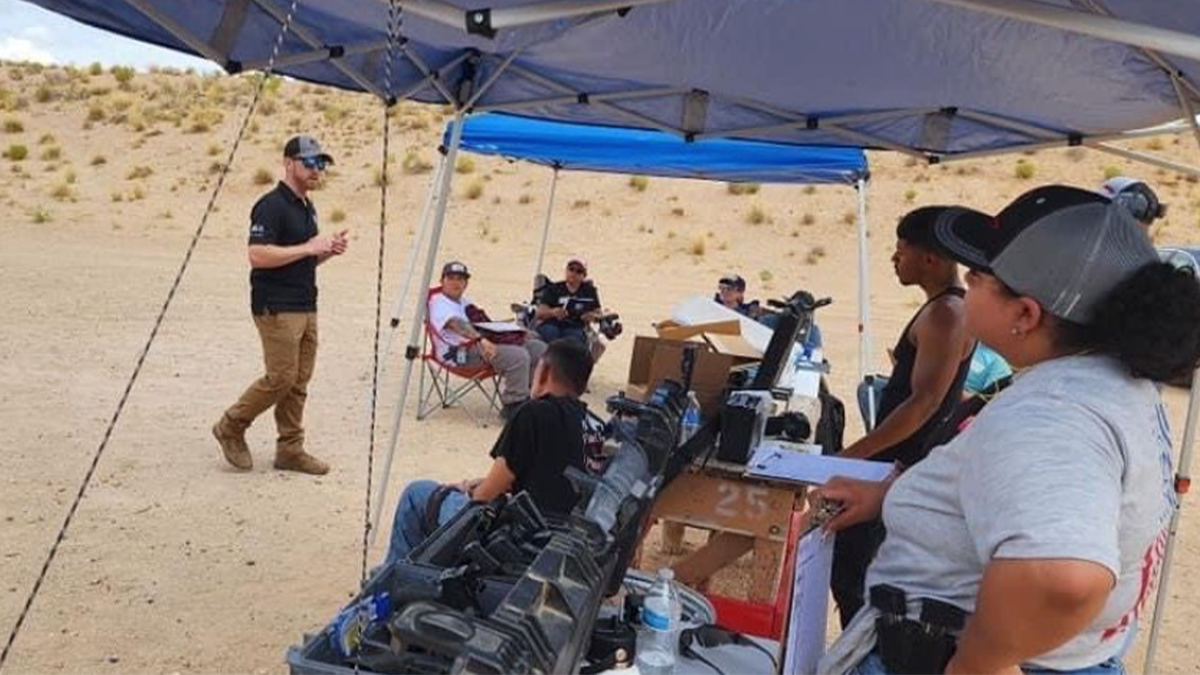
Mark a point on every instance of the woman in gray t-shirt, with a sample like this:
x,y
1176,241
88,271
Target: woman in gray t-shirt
x,y
1045,520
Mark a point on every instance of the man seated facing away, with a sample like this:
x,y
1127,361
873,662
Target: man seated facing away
x,y
565,308
536,446
457,341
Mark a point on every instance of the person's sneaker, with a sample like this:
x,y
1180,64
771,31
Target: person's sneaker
x,y
233,446
302,463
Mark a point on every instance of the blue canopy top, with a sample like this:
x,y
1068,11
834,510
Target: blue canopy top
x,y
921,76
586,147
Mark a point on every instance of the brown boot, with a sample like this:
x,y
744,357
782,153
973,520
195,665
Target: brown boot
x,y
301,462
233,444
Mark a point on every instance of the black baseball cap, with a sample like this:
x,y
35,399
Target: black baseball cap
x,y
305,147
1062,246
733,281
455,268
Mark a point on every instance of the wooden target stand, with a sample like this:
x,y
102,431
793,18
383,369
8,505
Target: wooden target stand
x,y
742,515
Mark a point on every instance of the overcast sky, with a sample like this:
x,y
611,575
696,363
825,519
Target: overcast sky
x,y
30,33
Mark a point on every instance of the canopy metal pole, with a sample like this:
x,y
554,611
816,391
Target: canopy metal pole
x,y
864,303
411,264
512,17
1183,469
1183,481
417,330
541,257
1106,28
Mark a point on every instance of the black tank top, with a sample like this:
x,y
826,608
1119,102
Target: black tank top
x,y
899,388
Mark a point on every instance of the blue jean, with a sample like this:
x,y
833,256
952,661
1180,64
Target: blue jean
x,y
550,331
873,665
407,530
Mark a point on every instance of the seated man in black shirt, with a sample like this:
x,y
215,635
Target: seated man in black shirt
x,y
565,308
536,446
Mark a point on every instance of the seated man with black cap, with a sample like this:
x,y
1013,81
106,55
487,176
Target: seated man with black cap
x,y
457,340
731,294
565,308
542,439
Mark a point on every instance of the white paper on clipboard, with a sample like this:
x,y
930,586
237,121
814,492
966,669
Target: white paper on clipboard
x,y
500,326
778,462
810,604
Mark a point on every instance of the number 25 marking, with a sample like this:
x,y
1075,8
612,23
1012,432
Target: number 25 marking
x,y
737,500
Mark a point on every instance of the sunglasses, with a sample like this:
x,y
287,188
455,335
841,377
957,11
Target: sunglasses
x,y
314,163
576,269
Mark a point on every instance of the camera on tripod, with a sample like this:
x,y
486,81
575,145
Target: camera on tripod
x,y
609,325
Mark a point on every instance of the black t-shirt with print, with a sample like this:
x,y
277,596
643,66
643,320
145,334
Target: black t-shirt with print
x,y
585,299
282,218
542,439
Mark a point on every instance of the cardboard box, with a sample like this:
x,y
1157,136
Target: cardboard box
x,y
658,359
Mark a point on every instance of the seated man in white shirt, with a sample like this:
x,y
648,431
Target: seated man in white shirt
x,y
457,341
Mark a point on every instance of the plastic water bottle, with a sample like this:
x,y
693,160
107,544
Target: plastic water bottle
x,y
691,418
658,641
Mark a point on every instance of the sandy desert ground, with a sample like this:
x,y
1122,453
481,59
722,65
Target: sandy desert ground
x,y
174,563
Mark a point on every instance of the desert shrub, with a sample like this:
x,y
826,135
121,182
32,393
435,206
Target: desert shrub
x,y
62,192
414,163
124,76
639,183
742,188
1025,169
16,152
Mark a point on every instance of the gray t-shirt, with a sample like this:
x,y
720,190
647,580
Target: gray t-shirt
x,y
1072,461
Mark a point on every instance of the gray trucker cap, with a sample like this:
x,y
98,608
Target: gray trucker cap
x,y
1064,247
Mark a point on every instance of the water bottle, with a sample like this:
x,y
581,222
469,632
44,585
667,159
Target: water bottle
x,y
691,418
658,640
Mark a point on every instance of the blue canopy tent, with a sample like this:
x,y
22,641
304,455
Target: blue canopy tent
x,y
582,147
936,79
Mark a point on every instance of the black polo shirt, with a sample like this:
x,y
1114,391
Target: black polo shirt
x,y
282,218
585,299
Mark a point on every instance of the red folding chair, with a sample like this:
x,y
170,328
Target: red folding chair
x,y
449,383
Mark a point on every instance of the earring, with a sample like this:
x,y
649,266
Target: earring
x,y
1017,332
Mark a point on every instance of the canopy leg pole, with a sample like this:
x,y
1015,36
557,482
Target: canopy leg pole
x,y
411,264
1183,468
413,353
864,303
541,256
1183,480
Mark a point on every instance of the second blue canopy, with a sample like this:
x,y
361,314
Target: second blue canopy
x,y
585,147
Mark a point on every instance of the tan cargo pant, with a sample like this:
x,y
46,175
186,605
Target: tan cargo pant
x,y
289,342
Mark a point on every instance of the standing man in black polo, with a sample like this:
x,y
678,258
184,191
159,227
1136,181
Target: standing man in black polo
x,y
285,249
